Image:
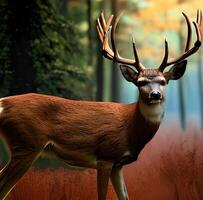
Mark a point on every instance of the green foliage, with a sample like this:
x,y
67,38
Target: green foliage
x,y
57,54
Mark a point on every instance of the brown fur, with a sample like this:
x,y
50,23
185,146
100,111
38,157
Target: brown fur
x,y
81,133
103,129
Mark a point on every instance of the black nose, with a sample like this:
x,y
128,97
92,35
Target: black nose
x,y
155,95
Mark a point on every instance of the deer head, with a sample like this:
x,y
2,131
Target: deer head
x,y
151,82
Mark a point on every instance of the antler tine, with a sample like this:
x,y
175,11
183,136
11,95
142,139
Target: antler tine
x,y
197,44
199,17
100,30
103,19
139,66
106,48
189,38
113,33
199,22
165,59
135,51
197,32
104,29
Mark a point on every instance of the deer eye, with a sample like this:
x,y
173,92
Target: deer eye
x,y
162,82
142,83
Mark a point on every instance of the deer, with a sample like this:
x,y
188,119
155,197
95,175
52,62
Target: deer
x,y
101,135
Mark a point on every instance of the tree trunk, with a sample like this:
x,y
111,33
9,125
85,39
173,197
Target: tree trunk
x,y
114,76
181,83
90,31
182,103
100,95
20,27
100,67
99,72
63,6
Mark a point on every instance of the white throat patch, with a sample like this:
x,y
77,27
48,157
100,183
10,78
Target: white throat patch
x,y
153,112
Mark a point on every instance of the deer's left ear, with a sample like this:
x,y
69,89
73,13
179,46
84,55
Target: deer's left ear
x,y
176,71
129,73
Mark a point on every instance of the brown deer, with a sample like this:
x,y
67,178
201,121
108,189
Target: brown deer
x,y
100,135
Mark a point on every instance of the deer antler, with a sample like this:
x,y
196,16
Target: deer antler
x,y
104,29
188,51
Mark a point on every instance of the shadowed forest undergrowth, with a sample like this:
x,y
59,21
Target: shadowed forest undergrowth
x,y
169,168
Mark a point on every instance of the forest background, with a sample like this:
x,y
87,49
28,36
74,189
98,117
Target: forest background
x,y
52,47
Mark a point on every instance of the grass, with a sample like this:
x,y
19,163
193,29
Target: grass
x,y
169,168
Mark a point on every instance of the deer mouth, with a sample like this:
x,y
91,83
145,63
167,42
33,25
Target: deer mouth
x,y
150,101
155,101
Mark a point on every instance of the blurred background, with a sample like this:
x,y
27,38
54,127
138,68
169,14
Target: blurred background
x,y
52,47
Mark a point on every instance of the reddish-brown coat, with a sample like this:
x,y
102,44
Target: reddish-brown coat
x,y
77,129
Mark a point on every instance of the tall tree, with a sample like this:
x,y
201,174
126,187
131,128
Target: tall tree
x,y
181,81
20,26
90,31
40,50
100,67
182,110
114,74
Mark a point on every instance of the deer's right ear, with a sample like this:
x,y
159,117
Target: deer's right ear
x,y
129,73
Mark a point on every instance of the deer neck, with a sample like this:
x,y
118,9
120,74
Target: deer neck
x,y
143,123
152,113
